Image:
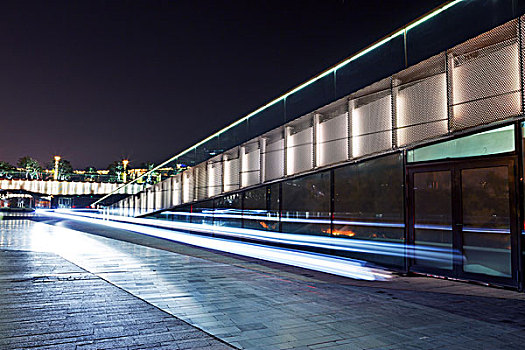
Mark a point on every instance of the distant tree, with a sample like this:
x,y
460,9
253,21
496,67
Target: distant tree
x,y
90,173
6,170
116,169
5,166
153,176
65,169
31,166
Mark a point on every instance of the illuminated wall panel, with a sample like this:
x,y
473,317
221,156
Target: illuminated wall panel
x,y
274,155
201,182
187,186
215,177
332,134
299,146
371,123
158,194
485,76
176,188
421,101
232,170
250,164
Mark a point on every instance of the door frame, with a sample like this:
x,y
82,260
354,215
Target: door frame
x,y
455,166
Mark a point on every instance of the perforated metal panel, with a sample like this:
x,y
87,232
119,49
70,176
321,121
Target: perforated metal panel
x,y
158,193
176,188
214,178
485,78
300,145
137,205
372,122
201,181
232,171
421,101
188,186
332,134
274,156
150,200
250,164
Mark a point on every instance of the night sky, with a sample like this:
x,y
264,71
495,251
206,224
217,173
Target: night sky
x,y
98,81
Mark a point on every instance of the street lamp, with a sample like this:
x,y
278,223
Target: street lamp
x,y
57,159
125,163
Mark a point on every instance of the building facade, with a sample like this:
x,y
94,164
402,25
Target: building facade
x,y
408,155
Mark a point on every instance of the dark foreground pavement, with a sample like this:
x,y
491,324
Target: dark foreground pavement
x,y
245,302
47,302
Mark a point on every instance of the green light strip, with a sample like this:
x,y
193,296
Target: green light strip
x,y
359,54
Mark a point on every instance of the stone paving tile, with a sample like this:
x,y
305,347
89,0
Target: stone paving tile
x,y
70,309
259,305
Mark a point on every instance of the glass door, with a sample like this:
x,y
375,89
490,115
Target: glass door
x,y
462,219
432,220
486,221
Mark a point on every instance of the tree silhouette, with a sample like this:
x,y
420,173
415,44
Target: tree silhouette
x,y
90,173
31,166
116,169
65,169
6,169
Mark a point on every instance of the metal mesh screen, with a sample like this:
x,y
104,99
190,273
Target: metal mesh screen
x,y
214,178
274,156
421,101
201,182
137,205
300,145
485,78
250,164
176,188
332,133
188,186
232,171
150,200
159,196
372,120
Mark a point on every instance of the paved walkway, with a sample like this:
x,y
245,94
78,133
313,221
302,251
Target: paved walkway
x,y
46,302
258,305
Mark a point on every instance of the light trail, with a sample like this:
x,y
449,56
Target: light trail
x,y
334,265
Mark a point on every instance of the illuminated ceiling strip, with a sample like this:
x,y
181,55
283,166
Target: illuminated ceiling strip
x,y
300,87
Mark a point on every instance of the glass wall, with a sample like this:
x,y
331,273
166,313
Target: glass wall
x,y
227,211
261,208
182,214
368,203
202,212
306,205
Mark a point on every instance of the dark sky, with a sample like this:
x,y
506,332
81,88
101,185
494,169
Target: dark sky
x,y
97,81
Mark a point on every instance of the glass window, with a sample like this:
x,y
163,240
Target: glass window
x,y
227,211
261,208
368,203
306,205
181,213
494,141
202,212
